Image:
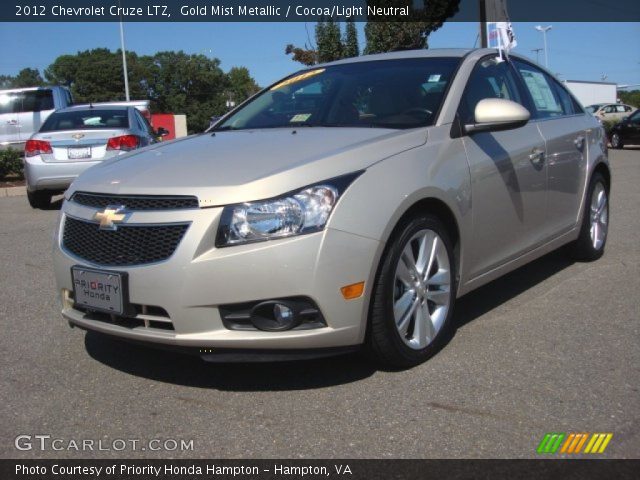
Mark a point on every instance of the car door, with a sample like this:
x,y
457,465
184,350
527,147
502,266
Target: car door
x,y
564,127
632,129
10,105
508,173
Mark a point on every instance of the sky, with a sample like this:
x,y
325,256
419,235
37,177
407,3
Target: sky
x,y
577,51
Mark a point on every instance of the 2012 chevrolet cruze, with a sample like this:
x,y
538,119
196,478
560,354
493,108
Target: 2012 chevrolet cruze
x,y
347,205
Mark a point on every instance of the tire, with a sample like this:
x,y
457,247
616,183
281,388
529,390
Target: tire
x,y
616,141
39,199
595,222
414,299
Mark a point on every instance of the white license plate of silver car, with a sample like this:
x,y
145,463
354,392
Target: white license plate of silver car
x,y
78,153
99,290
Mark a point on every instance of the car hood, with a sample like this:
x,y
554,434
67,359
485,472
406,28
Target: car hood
x,y
238,166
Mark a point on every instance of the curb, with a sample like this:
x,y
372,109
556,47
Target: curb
x,y
13,191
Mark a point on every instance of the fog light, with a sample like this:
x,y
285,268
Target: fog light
x,y
275,316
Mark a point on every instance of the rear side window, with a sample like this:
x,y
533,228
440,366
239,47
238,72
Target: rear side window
x,y
543,92
86,120
489,79
10,103
37,100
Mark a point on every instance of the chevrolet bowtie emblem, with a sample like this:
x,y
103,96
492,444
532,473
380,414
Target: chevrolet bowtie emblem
x,y
77,136
110,216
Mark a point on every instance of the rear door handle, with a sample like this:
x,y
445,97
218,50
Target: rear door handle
x,y
579,142
537,156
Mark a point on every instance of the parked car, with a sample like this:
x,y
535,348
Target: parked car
x,y
76,138
346,206
626,132
610,111
23,111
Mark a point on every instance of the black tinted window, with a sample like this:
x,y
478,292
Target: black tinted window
x,y
489,79
86,119
37,100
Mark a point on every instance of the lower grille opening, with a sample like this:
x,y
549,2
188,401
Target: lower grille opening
x,y
144,317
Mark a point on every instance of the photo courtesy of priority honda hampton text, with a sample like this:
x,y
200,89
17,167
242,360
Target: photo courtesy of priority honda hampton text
x,y
344,207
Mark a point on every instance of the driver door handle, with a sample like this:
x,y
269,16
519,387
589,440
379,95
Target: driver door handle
x,y
537,156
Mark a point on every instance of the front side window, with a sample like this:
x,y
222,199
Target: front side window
x,y
635,118
542,91
397,94
489,79
86,119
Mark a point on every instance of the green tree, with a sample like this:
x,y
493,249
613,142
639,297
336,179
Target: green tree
x,y
96,75
193,85
28,77
631,97
241,84
404,35
329,41
351,48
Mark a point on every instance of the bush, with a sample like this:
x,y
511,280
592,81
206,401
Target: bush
x,y
11,163
608,125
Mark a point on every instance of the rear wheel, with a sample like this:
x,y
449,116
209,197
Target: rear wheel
x,y
595,222
616,141
39,199
413,297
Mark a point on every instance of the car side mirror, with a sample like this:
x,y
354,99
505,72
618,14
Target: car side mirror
x,y
162,132
494,114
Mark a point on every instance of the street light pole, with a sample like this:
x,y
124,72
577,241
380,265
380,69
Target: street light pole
x,y
537,50
544,31
124,62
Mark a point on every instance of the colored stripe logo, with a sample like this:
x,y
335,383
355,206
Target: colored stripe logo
x,y
573,443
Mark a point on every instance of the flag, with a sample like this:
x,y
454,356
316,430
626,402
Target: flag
x,y
507,40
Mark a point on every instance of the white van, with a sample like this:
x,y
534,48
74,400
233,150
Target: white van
x,y
24,110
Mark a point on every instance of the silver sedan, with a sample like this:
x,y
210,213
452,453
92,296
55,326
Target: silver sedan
x,y
76,138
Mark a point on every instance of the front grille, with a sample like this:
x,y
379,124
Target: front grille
x,y
128,245
136,202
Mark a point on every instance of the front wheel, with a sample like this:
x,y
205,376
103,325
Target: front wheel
x,y
595,221
412,302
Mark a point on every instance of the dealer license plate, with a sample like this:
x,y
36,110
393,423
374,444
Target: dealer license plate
x,y
79,153
99,290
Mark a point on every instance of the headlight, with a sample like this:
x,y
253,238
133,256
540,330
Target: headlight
x,y
303,211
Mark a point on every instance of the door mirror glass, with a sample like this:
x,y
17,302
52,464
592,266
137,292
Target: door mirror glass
x,y
493,114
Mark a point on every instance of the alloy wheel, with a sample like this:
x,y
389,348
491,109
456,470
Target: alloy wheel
x,y
599,216
422,289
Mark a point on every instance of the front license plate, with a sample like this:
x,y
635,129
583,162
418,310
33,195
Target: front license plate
x,y
99,290
77,153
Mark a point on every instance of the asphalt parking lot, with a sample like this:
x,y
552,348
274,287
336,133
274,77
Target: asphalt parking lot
x,y
552,347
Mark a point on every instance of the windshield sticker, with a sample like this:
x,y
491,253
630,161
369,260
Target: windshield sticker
x,y
300,117
297,78
434,78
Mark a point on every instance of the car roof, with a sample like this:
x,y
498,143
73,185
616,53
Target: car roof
x,y
422,53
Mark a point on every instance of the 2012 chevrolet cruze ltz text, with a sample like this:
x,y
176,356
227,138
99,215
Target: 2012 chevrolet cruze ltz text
x,y
346,206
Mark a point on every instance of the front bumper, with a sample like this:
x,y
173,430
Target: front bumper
x,y
198,278
52,175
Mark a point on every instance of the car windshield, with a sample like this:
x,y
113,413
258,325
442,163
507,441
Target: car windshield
x,y
92,119
405,93
593,108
